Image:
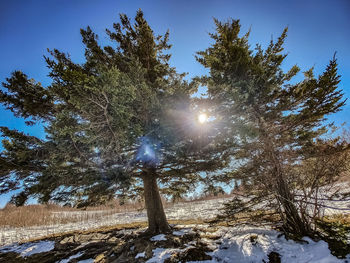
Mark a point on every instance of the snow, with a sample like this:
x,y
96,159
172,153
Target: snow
x,y
90,260
71,257
205,209
335,207
182,232
178,233
245,244
159,237
161,254
235,245
141,255
250,244
28,249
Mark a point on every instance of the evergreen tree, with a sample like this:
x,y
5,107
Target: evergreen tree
x,y
272,123
120,120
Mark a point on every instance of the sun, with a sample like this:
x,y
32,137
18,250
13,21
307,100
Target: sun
x,y
202,118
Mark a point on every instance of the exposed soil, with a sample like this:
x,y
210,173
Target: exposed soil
x,y
115,246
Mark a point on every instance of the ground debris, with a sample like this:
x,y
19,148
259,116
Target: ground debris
x,y
187,243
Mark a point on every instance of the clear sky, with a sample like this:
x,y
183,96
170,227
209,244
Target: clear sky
x,y
317,29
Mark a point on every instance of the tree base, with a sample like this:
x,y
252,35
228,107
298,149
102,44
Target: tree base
x,y
156,231
157,223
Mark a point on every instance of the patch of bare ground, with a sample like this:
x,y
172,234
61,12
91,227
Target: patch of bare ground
x,y
118,227
127,243
118,244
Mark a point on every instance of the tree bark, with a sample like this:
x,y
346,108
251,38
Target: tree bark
x,y
157,222
292,220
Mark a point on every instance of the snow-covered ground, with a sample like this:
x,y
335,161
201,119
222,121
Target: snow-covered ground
x,y
335,192
206,209
244,244
28,249
236,245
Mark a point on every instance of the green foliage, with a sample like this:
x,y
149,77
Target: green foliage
x,y
94,115
26,98
271,122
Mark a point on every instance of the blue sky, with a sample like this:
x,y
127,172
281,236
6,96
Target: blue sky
x,y
317,29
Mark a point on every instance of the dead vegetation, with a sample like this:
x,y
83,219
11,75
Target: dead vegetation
x,y
51,214
121,243
37,215
115,245
118,227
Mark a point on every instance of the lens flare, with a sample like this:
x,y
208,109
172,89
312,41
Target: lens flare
x,y
148,152
202,118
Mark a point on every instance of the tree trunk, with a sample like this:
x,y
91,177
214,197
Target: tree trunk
x,y
157,222
292,221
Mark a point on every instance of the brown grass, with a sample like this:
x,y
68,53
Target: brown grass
x,y
24,216
39,215
343,219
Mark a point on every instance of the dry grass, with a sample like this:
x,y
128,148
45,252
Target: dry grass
x,y
343,219
38,215
24,216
